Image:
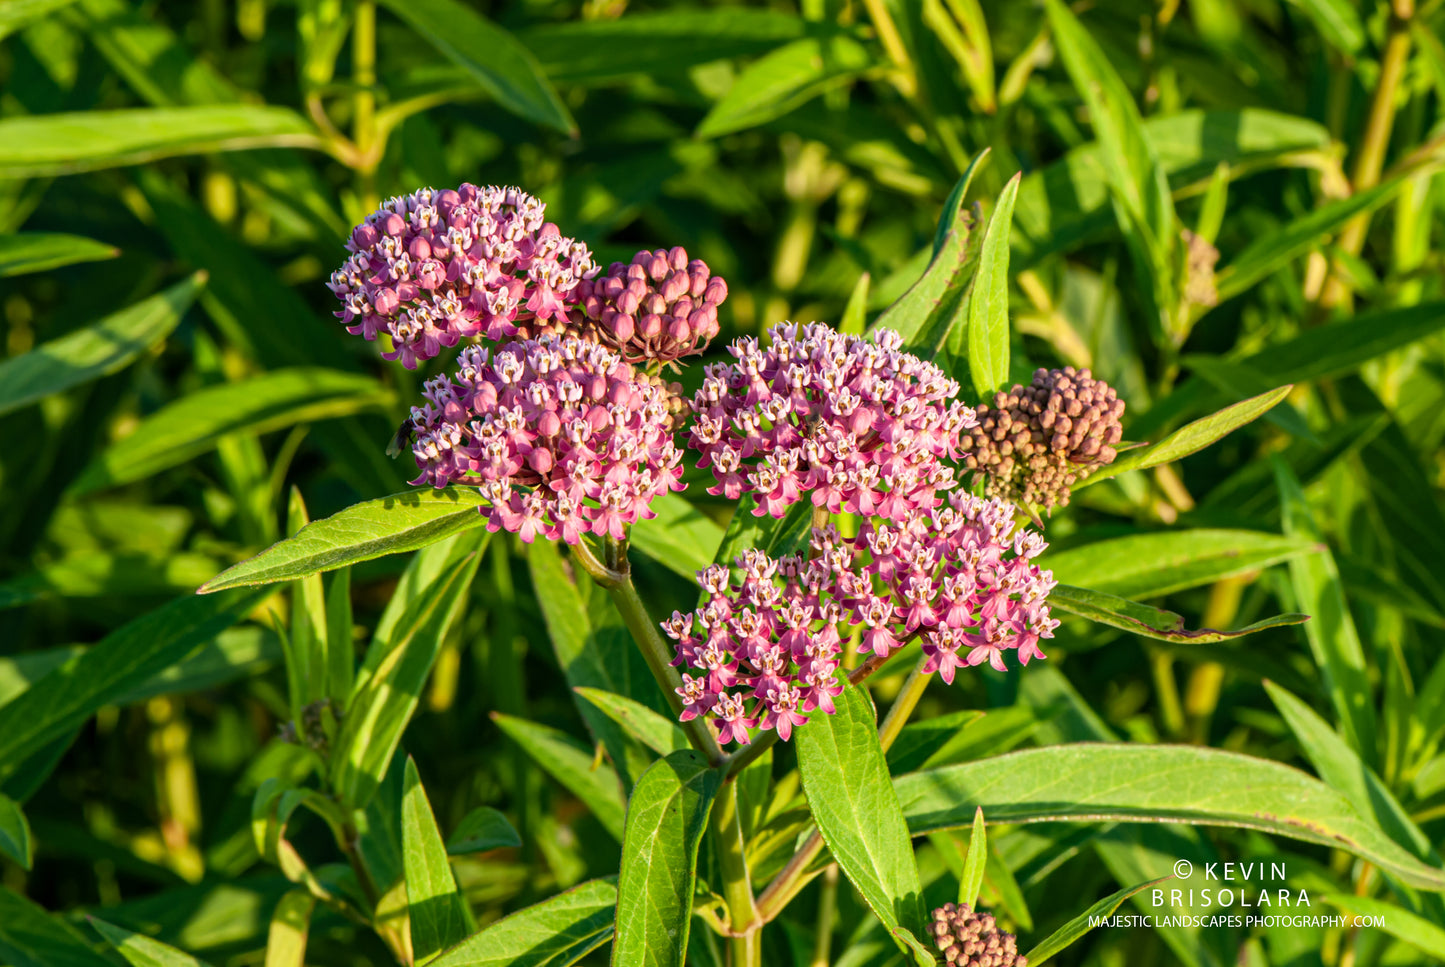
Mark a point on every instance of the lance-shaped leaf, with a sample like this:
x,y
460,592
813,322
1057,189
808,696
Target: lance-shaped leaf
x,y
785,79
437,913
552,933
571,763
1084,922
658,733
988,331
30,937
373,528
14,833
289,929
845,776
666,818
140,950
106,347
482,829
1398,922
42,251
1141,619
1101,782
61,144
975,861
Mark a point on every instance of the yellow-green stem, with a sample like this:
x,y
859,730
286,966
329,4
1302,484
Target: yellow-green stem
x,y
744,944
363,120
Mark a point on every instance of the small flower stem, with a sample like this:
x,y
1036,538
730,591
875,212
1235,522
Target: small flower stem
x,y
745,940
827,914
903,705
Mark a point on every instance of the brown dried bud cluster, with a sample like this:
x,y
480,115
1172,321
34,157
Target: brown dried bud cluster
x,y
658,307
971,939
1035,442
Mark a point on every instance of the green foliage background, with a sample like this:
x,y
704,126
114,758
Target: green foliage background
x,y
176,180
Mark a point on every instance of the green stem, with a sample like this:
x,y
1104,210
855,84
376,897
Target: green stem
x,y
903,705
827,914
744,941
363,75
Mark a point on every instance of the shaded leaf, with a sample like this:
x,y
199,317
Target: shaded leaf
x,y
1147,565
140,950
570,763
482,829
30,937
15,833
1150,622
42,251
1084,922
658,733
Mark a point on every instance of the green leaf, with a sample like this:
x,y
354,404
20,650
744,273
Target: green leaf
x,y
290,925
373,528
553,933
397,665
783,80
1333,641
680,537
1321,352
1271,252
140,950
1148,565
42,251
494,58
666,818
1191,438
124,659
658,733
193,424
845,777
1338,22
1141,619
1084,922
1100,782
30,937
88,574
15,833
482,829
341,654
435,906
919,740
62,144
975,861
1394,920
308,660
17,14
988,332
570,763
95,351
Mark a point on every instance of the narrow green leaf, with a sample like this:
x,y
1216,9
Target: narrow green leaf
x,y
42,251
15,833
680,537
845,776
192,425
1150,622
666,819
340,650
17,14
30,937
124,659
855,314
784,79
553,933
1394,920
975,861
1084,922
90,574
658,733
95,351
437,912
62,144
482,829
918,740
1321,352
570,763
290,926
494,58
1101,782
1236,381
988,330
140,950
1338,22
307,661
1148,565
373,528
1191,438
1331,634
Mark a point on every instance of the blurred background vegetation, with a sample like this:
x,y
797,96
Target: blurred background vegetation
x,y
216,154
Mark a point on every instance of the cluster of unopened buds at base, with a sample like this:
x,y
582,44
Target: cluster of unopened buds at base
x,y
860,424
435,267
660,306
560,435
968,938
763,653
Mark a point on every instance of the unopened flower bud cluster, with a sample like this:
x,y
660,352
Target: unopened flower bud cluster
x,y
970,939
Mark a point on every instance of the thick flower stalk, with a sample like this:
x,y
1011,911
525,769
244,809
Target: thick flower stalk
x,y
861,425
761,652
970,939
1037,441
560,435
435,267
659,307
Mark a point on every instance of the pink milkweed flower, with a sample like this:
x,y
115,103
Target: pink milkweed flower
x,y
862,425
526,423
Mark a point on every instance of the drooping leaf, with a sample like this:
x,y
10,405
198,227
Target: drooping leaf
x,y
482,829
42,251
782,80
988,329
140,950
1084,922
1104,782
1147,565
1141,619
553,933
571,763
438,915
62,144
494,58
845,777
15,833
666,817
95,351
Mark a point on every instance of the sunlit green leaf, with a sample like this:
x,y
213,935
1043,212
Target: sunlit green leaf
x,y
552,933
988,329
43,251
438,915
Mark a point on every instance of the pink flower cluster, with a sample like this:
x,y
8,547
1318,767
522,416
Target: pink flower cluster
x,y
762,653
660,306
862,425
434,267
560,435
